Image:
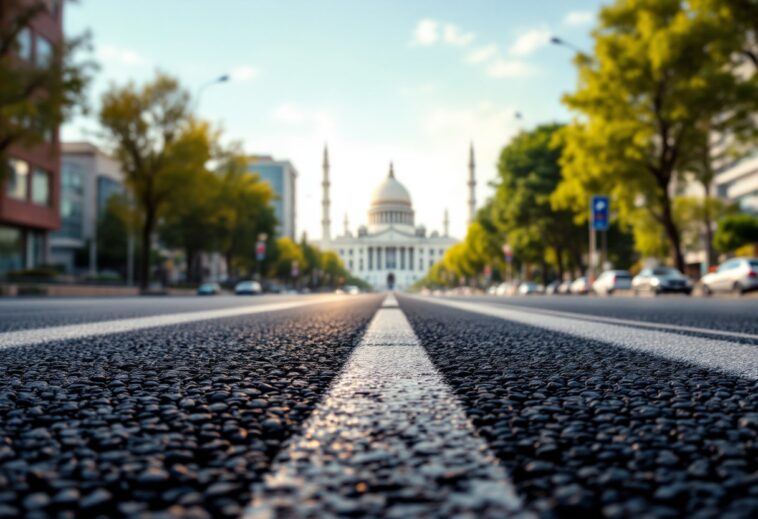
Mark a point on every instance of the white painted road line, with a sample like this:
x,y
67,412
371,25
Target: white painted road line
x,y
731,357
631,322
390,439
78,331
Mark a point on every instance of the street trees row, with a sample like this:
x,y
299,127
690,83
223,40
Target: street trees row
x,y
184,186
668,94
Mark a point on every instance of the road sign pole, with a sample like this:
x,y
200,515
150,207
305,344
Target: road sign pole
x,y
591,254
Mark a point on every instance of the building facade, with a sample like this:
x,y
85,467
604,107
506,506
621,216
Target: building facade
x,y
89,178
29,207
282,177
738,183
390,252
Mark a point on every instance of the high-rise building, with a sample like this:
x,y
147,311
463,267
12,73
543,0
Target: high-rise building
x,y
89,178
29,197
282,177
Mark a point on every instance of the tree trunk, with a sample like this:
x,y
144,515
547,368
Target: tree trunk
x,y
559,261
709,252
191,267
672,232
147,233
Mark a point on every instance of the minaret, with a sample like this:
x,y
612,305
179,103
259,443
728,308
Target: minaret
x,y
346,224
326,224
392,171
446,225
471,186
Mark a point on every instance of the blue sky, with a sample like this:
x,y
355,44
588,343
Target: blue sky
x,y
409,81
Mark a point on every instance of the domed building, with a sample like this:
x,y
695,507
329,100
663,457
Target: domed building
x,y
391,252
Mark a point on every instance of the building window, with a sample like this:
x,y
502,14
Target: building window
x,y
44,51
431,263
41,187
25,44
11,249
360,265
350,265
371,258
18,179
421,264
379,258
350,252
402,258
442,251
410,258
342,252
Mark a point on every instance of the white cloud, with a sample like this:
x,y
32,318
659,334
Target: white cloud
x,y
244,73
119,56
579,18
503,68
452,35
320,120
426,33
530,41
482,54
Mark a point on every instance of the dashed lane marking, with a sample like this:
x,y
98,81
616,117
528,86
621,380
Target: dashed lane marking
x,y
389,440
730,357
78,331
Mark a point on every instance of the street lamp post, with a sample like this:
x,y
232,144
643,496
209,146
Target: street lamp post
x,y
221,79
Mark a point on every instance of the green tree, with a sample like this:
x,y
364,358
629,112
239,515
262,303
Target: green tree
x,y
655,75
528,174
35,97
735,231
151,130
287,253
189,218
243,213
112,235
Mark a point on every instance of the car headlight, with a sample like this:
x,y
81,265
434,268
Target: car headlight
x,y
655,282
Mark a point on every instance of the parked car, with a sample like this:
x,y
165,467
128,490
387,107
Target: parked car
x,y
248,288
736,275
352,290
612,280
661,279
552,288
580,286
208,289
527,287
506,289
565,287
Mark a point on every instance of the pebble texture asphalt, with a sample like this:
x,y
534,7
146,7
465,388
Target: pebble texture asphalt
x,y
170,422
586,429
390,440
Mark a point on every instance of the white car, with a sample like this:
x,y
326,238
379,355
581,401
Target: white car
x,y
612,280
736,275
527,287
248,288
580,286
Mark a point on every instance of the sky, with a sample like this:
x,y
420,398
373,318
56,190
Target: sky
x,y
412,82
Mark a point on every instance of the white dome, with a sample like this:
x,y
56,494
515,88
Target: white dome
x,y
390,191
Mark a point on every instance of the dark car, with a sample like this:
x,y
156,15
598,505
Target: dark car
x,y
208,289
661,279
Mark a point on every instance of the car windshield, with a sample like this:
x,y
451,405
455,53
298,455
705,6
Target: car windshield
x,y
753,263
666,271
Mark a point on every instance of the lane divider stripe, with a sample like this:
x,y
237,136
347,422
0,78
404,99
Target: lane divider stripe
x,y
78,331
730,357
388,412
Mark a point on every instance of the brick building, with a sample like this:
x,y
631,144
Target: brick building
x,y
29,198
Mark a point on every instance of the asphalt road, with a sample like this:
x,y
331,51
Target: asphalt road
x,y
371,406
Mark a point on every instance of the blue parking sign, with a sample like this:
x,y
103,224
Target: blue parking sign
x,y
600,204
